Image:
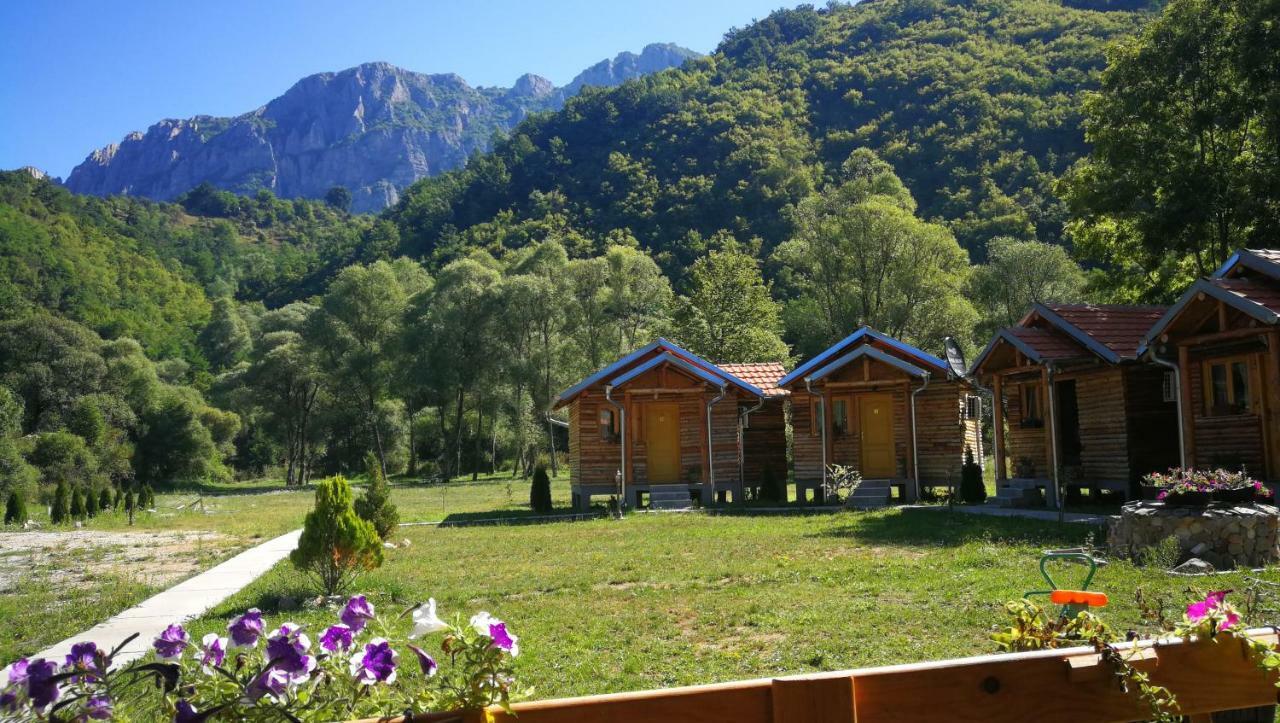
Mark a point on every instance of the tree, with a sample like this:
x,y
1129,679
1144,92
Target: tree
x,y
728,314
540,490
173,444
1186,147
338,197
225,339
375,505
105,502
77,508
972,489
90,503
861,257
60,511
336,545
15,510
355,331
1018,274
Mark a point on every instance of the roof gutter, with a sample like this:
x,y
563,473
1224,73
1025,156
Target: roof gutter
x,y
1051,394
622,462
915,444
1177,396
743,418
711,452
823,406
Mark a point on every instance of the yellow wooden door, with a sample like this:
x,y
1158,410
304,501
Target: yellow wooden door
x,y
875,421
662,442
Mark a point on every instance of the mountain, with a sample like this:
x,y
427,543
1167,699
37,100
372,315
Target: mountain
x,y
374,129
977,106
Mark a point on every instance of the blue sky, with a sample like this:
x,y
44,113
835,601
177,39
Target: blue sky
x,y
76,75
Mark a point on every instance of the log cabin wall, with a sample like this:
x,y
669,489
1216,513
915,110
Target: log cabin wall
x,y
943,432
593,460
1221,439
806,439
1104,454
764,442
1023,442
1151,422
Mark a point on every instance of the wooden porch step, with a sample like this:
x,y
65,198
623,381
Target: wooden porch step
x,y
670,497
871,494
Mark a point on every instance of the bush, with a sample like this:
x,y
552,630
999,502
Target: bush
x,y
540,490
77,504
146,498
336,545
130,503
60,512
104,500
90,503
972,489
375,505
771,488
15,510
1164,555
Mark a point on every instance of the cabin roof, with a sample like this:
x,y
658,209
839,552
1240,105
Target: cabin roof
x,y
864,334
1111,332
1263,261
764,375
1117,327
621,370
1257,297
873,353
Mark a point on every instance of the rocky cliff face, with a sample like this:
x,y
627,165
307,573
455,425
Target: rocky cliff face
x,y
374,129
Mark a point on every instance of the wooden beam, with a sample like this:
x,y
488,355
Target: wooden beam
x,y
1217,336
1271,404
1188,406
1047,410
665,390
803,699
867,385
1222,316
997,426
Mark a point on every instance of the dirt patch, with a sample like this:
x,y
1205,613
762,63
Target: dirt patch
x,y
68,559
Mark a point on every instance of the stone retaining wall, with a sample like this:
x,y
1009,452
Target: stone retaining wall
x,y
1225,535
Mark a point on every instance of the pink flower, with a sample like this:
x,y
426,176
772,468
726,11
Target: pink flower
x,y
1198,610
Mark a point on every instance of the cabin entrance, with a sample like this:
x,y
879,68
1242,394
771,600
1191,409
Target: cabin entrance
x,y
662,442
875,423
1067,422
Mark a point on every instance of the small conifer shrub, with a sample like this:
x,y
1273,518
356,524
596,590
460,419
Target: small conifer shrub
x,y
375,505
336,545
972,489
60,512
15,509
540,490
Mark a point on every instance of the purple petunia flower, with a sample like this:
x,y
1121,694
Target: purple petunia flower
x,y
17,670
501,638
425,661
8,701
170,644
375,664
357,613
337,637
246,629
213,650
41,688
272,681
98,707
287,650
184,712
83,657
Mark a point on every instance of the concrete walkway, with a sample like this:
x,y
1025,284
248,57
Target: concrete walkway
x,y
1047,515
181,602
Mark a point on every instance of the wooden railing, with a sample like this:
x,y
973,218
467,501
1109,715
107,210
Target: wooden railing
x,y
1049,686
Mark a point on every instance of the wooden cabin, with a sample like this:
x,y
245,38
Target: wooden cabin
x,y
663,427
1223,338
898,416
1110,417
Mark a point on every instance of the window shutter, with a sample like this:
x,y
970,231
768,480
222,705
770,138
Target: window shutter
x,y
972,406
1170,387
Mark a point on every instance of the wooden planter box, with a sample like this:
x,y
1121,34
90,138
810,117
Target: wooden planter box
x,y
1049,686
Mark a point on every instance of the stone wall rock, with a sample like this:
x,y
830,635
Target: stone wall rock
x,y
1225,535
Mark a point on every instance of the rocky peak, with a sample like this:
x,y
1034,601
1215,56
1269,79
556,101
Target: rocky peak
x,y
533,86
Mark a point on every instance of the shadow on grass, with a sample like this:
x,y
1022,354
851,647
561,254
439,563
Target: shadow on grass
x,y
941,528
518,517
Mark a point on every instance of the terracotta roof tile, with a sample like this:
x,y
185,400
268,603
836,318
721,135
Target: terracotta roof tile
x,y
1263,293
764,375
1048,343
1119,328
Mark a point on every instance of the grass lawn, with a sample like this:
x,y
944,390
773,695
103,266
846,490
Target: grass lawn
x,y
61,580
669,599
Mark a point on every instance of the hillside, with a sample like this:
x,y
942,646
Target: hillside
x,y
373,129
976,106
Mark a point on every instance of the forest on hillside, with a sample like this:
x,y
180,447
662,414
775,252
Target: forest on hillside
x,y
928,168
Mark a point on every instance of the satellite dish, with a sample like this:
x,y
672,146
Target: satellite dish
x,y
955,358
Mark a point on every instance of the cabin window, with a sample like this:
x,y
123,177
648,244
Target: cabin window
x,y
1227,385
815,417
840,416
1031,406
972,406
608,425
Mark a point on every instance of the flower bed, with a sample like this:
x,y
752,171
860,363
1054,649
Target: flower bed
x,y
353,670
1224,535
1197,488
